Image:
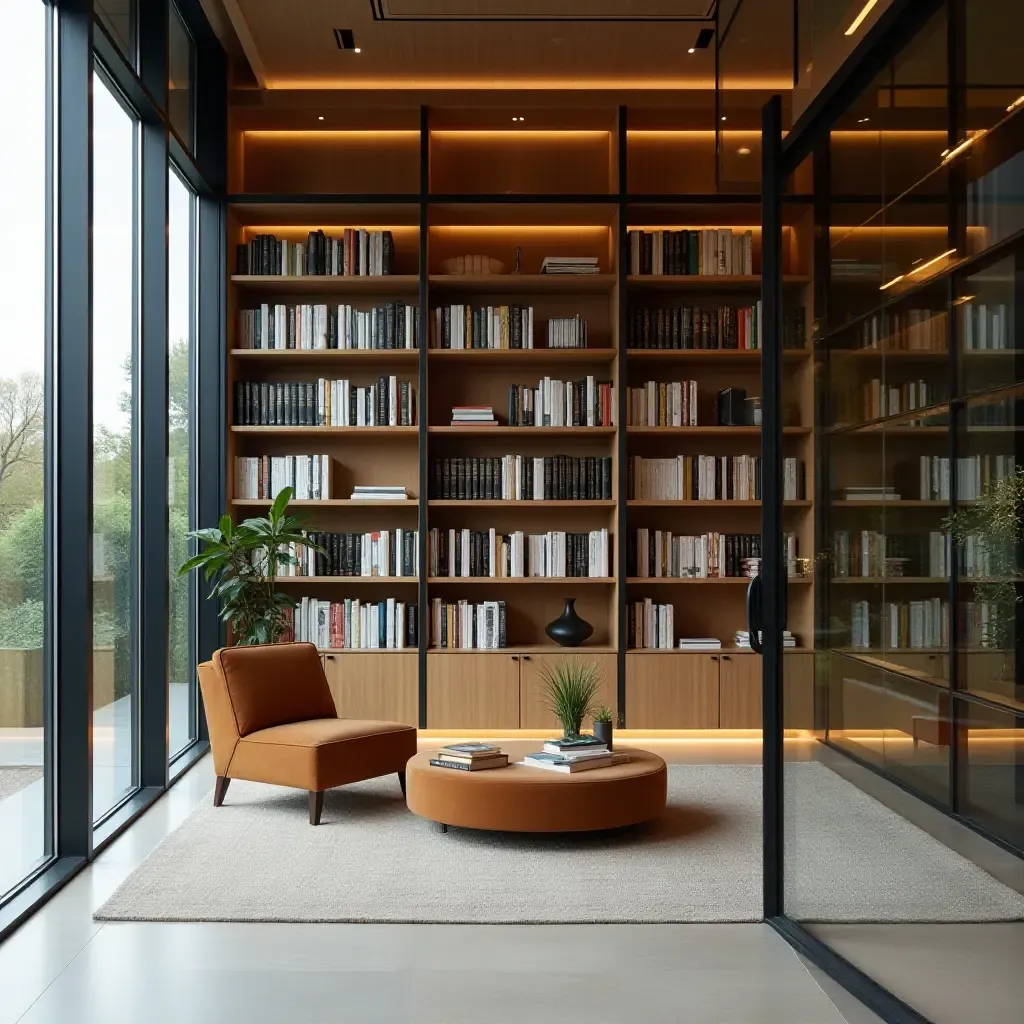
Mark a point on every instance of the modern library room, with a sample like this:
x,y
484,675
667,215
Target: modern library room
x,y
509,506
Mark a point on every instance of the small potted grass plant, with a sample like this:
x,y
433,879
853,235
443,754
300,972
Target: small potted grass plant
x,y
570,687
603,725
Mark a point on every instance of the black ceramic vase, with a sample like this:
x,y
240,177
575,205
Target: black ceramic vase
x,y
569,630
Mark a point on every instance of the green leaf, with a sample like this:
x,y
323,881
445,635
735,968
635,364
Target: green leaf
x,y
280,503
226,526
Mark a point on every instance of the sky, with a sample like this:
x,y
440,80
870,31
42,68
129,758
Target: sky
x,y
23,253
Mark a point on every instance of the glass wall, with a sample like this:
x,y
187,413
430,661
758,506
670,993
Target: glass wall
x,y
180,62
181,271
115,507
917,779
24,430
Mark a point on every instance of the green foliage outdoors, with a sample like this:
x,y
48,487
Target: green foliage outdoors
x,y
245,559
570,687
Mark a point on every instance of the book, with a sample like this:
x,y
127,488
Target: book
x,y
467,625
353,624
471,749
700,644
466,553
557,763
574,743
462,766
474,763
521,478
569,265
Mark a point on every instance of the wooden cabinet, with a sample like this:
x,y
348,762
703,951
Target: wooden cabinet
x,y
381,685
672,691
797,689
472,690
533,714
740,691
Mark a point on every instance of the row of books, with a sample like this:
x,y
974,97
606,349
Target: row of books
x,y
985,327
325,403
354,625
915,624
741,638
869,553
309,326
365,554
522,478
487,553
468,625
878,399
662,404
905,330
461,326
660,554
975,474
650,625
707,251
737,328
265,476
356,252
588,402
708,478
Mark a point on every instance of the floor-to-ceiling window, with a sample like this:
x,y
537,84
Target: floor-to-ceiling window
x,y
115,508
24,597
181,267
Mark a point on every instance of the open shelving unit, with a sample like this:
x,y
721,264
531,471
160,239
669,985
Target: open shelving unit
x,y
449,184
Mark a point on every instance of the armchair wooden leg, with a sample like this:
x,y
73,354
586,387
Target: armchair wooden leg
x,y
401,781
220,789
316,806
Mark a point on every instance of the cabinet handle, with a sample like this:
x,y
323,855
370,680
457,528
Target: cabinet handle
x,y
330,657
526,657
726,657
714,657
515,657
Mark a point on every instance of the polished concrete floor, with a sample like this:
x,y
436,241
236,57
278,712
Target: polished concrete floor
x,y
61,966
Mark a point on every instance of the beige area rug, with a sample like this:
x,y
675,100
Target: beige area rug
x,y
14,779
257,859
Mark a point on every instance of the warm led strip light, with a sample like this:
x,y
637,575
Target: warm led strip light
x,y
865,11
951,154
917,270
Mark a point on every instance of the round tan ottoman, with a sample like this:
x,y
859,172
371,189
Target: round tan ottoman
x,y
522,799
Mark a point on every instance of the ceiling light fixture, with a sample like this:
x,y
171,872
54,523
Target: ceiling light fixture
x,y
692,49
357,50
723,117
321,117
856,23
863,120
743,151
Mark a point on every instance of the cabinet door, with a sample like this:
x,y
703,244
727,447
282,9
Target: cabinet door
x,y
470,690
797,689
671,690
740,692
533,712
375,685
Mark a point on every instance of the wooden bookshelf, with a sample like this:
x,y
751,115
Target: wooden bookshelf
x,y
474,204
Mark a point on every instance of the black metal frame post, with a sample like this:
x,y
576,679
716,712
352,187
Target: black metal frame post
x,y
622,442
423,616
773,573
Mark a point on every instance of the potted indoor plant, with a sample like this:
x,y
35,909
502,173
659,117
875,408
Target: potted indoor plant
x,y
570,687
245,560
603,724
995,523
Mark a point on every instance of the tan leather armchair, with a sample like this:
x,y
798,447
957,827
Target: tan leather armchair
x,y
272,719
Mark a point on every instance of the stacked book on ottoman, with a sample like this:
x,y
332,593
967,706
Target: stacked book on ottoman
x,y
470,757
574,754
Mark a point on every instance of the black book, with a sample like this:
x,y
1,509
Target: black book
x,y
242,259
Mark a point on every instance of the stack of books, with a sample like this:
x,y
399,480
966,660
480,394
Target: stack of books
x,y
751,567
569,265
470,757
378,492
473,416
742,638
576,754
699,643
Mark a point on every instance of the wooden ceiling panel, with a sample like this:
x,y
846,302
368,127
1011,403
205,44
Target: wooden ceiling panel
x,y
295,46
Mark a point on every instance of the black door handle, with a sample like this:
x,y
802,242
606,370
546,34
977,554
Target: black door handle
x,y
754,614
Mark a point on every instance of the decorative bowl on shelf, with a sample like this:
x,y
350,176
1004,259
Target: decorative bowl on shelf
x,y
472,265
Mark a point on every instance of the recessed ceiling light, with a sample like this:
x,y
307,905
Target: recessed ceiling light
x,y
321,117
863,120
743,151
358,49
692,49
723,117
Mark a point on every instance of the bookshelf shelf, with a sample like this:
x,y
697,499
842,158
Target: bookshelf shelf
x,y
326,503
707,282
514,356
524,284
687,580
503,431
322,356
404,433
323,284
526,581
496,503
277,190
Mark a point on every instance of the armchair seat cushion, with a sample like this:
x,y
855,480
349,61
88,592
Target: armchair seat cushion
x,y
323,752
